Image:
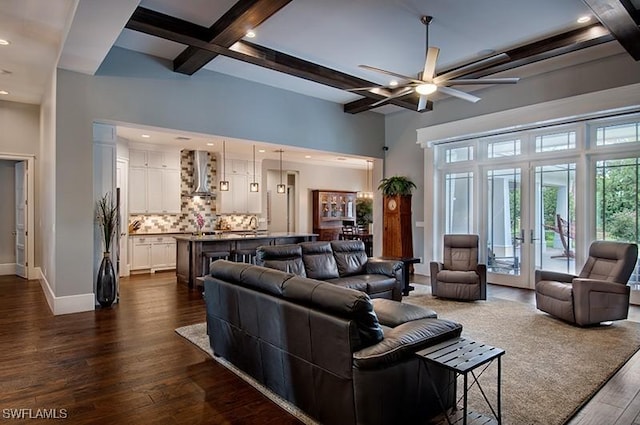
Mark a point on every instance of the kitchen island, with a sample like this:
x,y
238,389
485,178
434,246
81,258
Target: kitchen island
x,y
191,250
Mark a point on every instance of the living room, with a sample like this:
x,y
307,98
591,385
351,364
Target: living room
x,y
133,87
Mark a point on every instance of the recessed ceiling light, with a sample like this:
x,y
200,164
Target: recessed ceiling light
x,y
307,156
393,83
4,42
5,72
183,138
583,19
209,144
261,150
251,34
4,92
145,136
341,158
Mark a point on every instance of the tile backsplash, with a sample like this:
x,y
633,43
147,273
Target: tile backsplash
x,y
185,222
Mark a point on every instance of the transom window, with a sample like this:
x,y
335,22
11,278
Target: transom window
x,y
464,153
503,148
617,134
556,141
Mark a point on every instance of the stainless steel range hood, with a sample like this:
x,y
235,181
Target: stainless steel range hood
x,y
200,174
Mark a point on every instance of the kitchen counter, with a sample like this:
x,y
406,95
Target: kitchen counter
x,y
191,263
236,236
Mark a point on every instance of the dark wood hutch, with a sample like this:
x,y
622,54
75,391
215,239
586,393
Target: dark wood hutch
x,y
332,209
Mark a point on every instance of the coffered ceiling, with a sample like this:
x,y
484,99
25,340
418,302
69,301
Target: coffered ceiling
x,y
312,47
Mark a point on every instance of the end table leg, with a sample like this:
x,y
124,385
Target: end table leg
x,y
464,403
499,390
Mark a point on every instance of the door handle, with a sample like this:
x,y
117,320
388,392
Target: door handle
x,y
531,239
521,238
14,233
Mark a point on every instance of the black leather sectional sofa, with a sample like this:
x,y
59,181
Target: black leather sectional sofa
x,y
343,263
341,357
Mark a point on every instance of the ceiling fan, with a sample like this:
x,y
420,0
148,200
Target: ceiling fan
x,y
428,83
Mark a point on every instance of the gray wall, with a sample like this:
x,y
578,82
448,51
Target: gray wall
x,y
20,135
133,88
405,157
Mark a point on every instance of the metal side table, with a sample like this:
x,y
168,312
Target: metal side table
x,y
464,356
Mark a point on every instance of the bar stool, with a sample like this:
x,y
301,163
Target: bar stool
x,y
209,256
247,255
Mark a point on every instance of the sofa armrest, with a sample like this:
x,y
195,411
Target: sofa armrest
x,y
389,268
556,276
434,268
402,342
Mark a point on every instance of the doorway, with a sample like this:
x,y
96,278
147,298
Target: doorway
x,y
16,216
282,208
529,221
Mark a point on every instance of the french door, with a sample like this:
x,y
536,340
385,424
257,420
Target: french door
x,y
528,220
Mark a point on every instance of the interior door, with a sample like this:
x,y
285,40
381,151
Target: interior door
x,y
20,170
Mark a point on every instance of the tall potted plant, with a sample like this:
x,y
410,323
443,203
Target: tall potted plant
x,y
364,213
107,216
397,238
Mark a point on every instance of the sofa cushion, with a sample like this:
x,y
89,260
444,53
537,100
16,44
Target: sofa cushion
x,y
393,313
287,258
369,283
350,257
318,260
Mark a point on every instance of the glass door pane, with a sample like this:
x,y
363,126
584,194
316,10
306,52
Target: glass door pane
x,y
617,211
504,222
554,229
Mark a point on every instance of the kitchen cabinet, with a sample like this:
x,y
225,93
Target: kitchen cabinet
x,y
238,199
140,253
154,182
152,253
331,211
163,253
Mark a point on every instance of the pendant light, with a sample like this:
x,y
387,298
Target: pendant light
x,y
281,188
224,183
253,186
368,193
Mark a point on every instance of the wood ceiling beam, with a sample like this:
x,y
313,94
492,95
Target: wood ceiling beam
x,y
614,15
160,25
230,28
567,42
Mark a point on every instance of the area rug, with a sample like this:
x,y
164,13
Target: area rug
x,y
550,368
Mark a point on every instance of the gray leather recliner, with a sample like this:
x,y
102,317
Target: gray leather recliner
x,y
598,294
459,276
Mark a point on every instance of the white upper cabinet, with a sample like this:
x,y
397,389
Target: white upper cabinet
x,y
154,182
238,199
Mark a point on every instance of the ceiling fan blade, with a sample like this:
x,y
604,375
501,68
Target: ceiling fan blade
x,y
422,103
393,74
473,81
430,63
458,93
397,94
472,67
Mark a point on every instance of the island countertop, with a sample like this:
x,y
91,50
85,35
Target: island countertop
x,y
235,236
191,250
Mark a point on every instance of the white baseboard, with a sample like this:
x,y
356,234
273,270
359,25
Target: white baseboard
x,y
7,269
67,304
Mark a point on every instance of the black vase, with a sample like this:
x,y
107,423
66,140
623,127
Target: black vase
x,y
106,284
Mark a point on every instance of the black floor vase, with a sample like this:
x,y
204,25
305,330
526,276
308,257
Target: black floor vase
x,y
106,284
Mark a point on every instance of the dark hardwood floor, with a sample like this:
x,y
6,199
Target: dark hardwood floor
x,y
127,365
124,365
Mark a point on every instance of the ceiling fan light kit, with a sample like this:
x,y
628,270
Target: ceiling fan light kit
x,y
428,83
